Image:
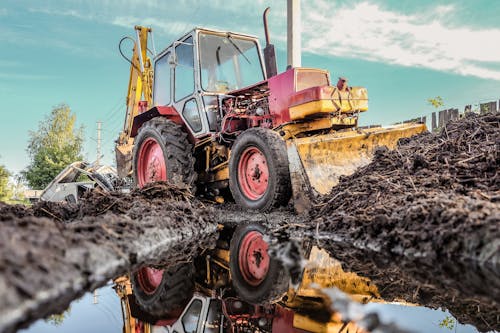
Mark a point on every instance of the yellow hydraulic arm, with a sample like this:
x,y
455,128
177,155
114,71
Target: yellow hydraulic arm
x,y
139,89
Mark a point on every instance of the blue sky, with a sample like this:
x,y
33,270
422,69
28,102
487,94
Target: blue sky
x,y
403,51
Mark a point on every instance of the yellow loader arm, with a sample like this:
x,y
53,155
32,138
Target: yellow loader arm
x,y
139,90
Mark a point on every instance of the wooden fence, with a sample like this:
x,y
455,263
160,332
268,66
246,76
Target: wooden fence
x,y
440,118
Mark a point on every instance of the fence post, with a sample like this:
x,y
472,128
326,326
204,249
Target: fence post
x,y
433,121
442,115
493,106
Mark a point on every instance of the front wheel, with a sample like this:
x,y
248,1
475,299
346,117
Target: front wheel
x,y
259,177
256,276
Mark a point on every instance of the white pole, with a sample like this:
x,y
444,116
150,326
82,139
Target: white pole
x,y
98,160
293,33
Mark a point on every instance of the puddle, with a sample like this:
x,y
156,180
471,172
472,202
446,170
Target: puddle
x,y
307,309
97,311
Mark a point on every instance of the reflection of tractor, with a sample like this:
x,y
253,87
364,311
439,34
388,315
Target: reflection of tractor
x,y
240,265
215,309
206,112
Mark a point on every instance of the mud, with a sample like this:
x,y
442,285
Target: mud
x,y
435,196
47,262
471,293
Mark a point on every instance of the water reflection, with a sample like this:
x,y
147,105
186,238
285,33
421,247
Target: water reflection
x,y
94,312
374,295
315,305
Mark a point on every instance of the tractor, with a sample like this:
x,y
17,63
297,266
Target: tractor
x,y
210,112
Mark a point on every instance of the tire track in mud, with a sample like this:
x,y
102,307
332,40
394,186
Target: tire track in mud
x,y
46,263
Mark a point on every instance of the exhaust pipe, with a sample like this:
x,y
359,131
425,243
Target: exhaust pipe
x,y
269,53
293,34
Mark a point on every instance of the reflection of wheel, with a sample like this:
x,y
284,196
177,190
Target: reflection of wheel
x,y
256,277
163,293
162,152
258,170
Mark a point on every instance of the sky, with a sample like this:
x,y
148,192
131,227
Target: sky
x,y
402,51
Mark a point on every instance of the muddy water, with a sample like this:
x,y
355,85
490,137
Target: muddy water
x,y
402,300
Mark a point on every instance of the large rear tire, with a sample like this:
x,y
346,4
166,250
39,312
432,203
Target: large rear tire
x,y
259,177
256,276
162,152
163,293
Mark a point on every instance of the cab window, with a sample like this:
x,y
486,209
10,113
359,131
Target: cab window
x,y
191,317
184,69
162,80
192,115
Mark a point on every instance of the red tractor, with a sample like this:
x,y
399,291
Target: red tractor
x,y
210,112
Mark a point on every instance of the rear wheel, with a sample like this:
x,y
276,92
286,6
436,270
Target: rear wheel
x,y
163,293
256,276
259,177
162,152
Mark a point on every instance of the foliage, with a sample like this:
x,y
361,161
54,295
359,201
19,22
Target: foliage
x,y
5,189
58,319
55,144
448,322
436,102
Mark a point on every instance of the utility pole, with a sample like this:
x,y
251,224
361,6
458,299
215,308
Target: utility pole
x,y
293,33
98,160
96,297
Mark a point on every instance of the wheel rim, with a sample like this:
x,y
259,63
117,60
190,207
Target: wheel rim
x,y
253,259
253,173
149,279
151,165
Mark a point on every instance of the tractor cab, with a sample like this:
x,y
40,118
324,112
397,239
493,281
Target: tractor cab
x,y
194,72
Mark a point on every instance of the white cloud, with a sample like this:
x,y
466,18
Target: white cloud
x,y
367,31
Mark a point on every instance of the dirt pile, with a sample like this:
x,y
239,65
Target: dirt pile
x,y
47,262
435,195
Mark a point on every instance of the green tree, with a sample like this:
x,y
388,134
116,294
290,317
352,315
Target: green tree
x,y
5,189
55,144
436,102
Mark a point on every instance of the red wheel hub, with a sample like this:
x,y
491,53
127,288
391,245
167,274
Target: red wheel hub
x,y
151,164
253,173
149,279
253,259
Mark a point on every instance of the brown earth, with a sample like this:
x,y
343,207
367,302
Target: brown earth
x,y
45,263
436,195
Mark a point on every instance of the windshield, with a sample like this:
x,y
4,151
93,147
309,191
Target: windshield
x,y
228,63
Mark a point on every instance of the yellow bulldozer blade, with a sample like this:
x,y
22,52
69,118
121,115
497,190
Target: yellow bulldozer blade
x,y
317,162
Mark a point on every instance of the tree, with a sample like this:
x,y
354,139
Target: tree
x,y
5,190
436,102
55,144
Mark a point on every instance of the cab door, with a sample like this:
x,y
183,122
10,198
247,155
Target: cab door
x,y
186,101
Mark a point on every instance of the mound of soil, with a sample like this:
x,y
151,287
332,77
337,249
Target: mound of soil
x,y
435,195
47,262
